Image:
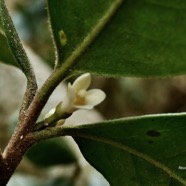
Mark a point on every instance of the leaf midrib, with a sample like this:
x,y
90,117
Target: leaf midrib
x,y
91,36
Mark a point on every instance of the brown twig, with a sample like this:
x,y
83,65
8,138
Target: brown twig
x,y
24,136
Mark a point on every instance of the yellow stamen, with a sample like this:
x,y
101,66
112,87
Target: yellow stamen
x,y
80,97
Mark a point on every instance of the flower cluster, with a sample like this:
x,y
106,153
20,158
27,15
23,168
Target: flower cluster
x,y
77,97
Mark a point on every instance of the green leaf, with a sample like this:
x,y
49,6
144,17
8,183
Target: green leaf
x,y
145,34
139,151
5,53
51,152
7,28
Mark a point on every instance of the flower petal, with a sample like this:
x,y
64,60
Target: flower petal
x,y
93,98
86,107
69,99
82,82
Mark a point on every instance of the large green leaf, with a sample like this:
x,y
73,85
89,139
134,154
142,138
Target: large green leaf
x,y
141,151
143,38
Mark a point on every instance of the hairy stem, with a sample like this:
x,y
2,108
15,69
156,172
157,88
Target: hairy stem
x,y
20,141
19,54
11,162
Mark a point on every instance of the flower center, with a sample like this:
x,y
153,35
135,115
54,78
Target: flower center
x,y
80,97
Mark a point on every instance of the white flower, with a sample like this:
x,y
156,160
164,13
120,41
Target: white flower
x,y
78,97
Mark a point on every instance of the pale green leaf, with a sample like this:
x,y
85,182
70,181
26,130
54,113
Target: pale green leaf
x,y
143,38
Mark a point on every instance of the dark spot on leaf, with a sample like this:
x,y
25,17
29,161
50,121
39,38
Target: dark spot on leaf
x,y
153,133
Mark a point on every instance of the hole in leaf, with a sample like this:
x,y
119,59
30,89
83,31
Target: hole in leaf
x,y
153,133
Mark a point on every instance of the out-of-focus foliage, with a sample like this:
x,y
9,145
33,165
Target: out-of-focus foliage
x,y
51,152
22,180
30,19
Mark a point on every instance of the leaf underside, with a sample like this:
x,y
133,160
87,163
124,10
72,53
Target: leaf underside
x,y
145,34
142,151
